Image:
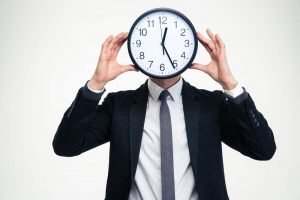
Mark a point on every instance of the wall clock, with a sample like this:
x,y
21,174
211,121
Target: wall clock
x,y
162,43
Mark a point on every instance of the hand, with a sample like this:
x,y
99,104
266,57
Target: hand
x,y
107,67
218,68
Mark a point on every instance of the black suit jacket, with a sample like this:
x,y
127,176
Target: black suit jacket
x,y
211,117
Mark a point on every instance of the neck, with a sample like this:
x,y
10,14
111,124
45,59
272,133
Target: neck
x,y
166,83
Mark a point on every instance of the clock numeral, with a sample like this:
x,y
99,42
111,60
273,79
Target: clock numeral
x,y
183,55
162,67
138,43
175,63
175,22
142,55
182,32
143,31
186,43
151,62
150,23
163,20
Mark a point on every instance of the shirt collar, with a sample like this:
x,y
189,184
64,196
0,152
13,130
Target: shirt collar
x,y
174,90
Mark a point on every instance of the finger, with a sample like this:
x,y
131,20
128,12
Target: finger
x,y
107,42
220,42
117,39
130,67
113,42
211,35
205,42
200,67
202,38
119,43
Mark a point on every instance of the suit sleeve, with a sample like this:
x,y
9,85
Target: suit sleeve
x,y
84,125
244,128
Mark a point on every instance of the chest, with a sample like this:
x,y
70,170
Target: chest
x,y
151,130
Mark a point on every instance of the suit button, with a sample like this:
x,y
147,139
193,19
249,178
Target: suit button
x,y
257,124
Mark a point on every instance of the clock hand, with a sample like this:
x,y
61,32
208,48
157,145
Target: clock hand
x,y
161,35
168,56
164,48
164,37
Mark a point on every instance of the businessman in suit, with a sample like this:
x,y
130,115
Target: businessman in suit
x,y
165,137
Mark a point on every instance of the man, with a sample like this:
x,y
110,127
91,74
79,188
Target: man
x,y
165,137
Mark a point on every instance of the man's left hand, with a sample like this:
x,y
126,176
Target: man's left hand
x,y
218,67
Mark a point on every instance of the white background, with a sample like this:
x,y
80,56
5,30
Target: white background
x,y
48,49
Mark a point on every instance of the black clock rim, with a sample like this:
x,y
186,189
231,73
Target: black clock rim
x,y
176,13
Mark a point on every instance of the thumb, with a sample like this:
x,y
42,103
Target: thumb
x,y
200,67
129,67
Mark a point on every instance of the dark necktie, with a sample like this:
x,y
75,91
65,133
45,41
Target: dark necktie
x,y
166,145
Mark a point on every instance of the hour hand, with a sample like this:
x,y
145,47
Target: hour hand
x,y
163,40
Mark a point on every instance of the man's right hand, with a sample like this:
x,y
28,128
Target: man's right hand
x,y
107,67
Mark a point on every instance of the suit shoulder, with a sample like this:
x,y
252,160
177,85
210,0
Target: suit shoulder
x,y
122,95
212,95
206,92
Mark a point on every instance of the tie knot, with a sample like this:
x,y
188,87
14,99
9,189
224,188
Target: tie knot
x,y
163,95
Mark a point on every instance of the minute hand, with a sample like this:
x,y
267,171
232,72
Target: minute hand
x,y
168,56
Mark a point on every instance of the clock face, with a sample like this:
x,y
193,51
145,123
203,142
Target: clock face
x,y
162,43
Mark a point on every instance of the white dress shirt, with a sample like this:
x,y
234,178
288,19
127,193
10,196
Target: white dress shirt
x,y
147,181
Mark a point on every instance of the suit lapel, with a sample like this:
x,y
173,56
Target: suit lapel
x,y
196,112
137,115
191,116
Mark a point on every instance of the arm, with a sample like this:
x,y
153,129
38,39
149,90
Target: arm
x,y
242,126
85,124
